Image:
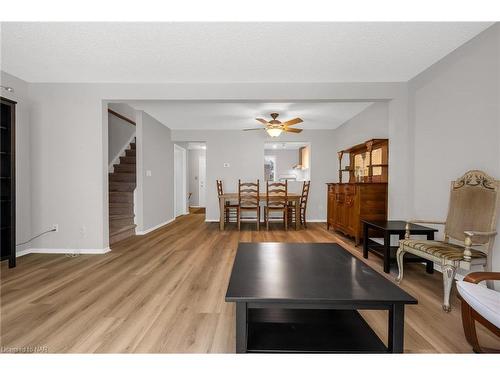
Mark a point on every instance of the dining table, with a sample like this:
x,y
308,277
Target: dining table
x,y
231,197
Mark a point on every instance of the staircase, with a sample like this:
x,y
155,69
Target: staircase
x,y
122,183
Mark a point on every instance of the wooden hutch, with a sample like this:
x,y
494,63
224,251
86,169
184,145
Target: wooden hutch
x,y
364,196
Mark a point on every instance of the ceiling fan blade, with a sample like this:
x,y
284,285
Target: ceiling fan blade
x,y
293,122
262,121
292,130
245,130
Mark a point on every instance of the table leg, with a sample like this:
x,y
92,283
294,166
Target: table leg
x,y
387,252
241,327
429,264
396,328
297,213
221,213
365,240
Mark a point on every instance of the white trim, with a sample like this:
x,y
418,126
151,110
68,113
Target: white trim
x,y
184,178
141,233
62,251
21,253
121,153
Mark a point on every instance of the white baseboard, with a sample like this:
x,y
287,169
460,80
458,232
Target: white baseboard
x,y
61,251
141,233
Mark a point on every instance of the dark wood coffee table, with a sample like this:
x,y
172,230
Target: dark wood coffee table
x,y
304,297
388,252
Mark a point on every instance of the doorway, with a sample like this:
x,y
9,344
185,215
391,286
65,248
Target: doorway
x,y
202,162
180,193
197,174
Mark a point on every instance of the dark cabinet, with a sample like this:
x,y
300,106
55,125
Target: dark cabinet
x,y
8,181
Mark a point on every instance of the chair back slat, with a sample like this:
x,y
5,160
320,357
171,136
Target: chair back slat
x,y
305,194
277,194
220,190
248,194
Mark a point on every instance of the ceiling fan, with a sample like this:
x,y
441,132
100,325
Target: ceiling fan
x,y
275,127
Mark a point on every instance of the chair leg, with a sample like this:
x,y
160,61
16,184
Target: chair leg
x,y
285,220
238,219
303,216
399,257
469,325
258,218
448,277
266,217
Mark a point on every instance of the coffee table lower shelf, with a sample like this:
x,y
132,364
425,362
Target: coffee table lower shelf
x,y
274,330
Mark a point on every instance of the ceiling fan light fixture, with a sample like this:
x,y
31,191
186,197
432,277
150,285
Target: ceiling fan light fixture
x,y
274,132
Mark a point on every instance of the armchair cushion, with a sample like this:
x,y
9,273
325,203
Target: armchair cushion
x,y
484,301
439,249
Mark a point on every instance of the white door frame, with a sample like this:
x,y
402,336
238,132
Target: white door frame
x,y
184,188
204,188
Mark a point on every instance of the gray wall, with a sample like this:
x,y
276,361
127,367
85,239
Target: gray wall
x,y
119,131
23,157
155,193
454,115
193,173
72,176
371,123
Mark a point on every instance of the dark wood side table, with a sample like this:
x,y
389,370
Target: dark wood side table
x,y
388,252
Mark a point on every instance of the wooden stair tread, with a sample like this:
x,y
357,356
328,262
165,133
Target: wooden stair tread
x,y
122,183
127,160
121,229
124,216
120,204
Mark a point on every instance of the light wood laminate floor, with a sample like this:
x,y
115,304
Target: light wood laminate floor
x,y
164,293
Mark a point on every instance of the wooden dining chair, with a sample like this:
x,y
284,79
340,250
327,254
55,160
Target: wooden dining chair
x,y
248,200
276,201
302,205
230,208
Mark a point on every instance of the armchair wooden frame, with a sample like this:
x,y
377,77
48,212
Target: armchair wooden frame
x,y
471,316
276,200
470,224
248,200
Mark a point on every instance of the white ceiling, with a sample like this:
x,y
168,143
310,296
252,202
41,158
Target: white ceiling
x,y
223,52
238,115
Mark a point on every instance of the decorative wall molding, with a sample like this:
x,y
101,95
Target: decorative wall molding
x,y
141,233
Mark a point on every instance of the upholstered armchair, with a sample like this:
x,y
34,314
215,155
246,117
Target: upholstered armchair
x,y
469,230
